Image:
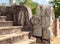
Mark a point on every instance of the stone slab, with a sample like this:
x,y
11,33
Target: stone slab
x,y
2,18
10,38
28,41
6,23
9,30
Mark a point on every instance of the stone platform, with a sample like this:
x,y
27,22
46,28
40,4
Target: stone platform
x,y
10,34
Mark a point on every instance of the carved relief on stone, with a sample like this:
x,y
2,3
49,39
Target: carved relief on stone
x,y
46,33
36,22
45,22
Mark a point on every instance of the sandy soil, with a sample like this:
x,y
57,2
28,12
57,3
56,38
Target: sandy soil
x,y
56,40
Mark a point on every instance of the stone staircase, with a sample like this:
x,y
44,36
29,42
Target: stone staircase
x,y
10,34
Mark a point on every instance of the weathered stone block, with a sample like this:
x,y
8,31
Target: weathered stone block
x,y
2,18
6,23
9,30
11,38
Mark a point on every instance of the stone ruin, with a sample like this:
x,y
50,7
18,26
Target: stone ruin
x,y
44,23
14,21
19,14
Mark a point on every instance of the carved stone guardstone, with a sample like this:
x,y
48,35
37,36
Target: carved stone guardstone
x,y
43,24
36,22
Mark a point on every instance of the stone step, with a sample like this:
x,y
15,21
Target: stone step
x,y
28,41
9,30
11,38
2,18
6,23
